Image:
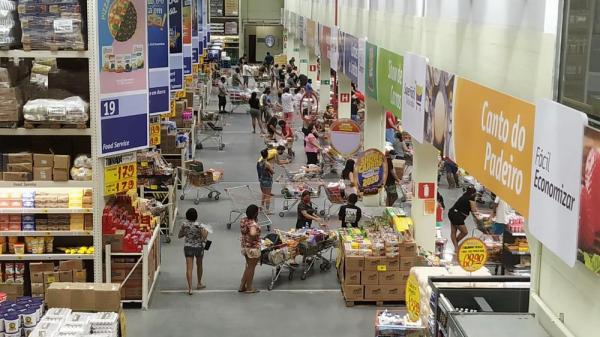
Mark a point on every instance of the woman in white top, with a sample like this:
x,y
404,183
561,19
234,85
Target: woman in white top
x,y
246,72
287,103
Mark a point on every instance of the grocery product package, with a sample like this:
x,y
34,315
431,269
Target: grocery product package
x,y
70,110
10,26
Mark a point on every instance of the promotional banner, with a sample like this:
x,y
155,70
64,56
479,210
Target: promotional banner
x,y
341,40
333,49
158,56
439,104
556,178
123,58
187,36
371,70
300,29
589,226
389,80
175,44
362,64
310,33
325,42
346,137
413,97
195,31
371,171
493,139
232,8
351,58
472,254
200,14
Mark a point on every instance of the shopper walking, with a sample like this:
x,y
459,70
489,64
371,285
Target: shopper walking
x,y
269,60
255,112
391,126
307,212
349,213
274,76
391,190
195,239
222,86
459,213
250,242
348,178
236,78
265,172
265,105
311,145
246,72
287,104
243,59
439,213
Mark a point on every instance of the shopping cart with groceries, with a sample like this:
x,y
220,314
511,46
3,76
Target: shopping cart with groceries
x,y
278,252
331,160
242,197
317,249
192,175
292,193
210,128
238,97
335,198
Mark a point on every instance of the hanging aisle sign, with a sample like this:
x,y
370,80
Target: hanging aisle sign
x,y
333,49
200,14
325,42
493,140
439,102
389,80
413,97
195,31
123,60
187,37
556,178
175,44
371,70
158,56
351,58
371,171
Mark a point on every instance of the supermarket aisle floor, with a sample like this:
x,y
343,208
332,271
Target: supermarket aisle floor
x,y
313,307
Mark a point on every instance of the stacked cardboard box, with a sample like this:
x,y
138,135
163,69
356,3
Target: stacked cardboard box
x,y
120,268
17,166
43,274
377,278
95,297
38,167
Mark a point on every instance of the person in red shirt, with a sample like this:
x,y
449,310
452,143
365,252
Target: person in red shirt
x,y
391,126
288,135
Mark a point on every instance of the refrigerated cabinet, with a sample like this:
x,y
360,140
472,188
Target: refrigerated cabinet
x,y
494,325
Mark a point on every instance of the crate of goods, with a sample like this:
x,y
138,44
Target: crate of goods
x,y
51,25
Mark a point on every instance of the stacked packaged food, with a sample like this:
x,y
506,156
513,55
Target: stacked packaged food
x,y
11,98
48,24
10,27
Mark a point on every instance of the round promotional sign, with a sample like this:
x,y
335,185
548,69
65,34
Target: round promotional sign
x,y
472,254
345,137
370,171
270,41
413,298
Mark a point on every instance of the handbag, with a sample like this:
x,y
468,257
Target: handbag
x,y
207,244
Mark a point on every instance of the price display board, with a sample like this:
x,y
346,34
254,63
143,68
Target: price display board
x,y
120,174
155,133
472,254
413,298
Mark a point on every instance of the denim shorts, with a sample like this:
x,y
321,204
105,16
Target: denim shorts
x,y
197,252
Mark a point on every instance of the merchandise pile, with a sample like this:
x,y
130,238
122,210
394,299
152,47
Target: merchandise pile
x,y
153,171
74,198
43,274
10,27
285,246
21,316
44,167
11,99
71,110
65,322
395,323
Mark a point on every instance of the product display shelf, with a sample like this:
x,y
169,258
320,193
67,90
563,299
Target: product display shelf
x,y
45,132
168,197
90,8
46,210
46,233
150,260
45,257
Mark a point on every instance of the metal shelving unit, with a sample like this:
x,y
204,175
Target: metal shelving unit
x,y
45,132
47,233
47,184
45,257
20,53
46,210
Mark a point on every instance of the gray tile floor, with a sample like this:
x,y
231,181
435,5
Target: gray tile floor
x,y
313,307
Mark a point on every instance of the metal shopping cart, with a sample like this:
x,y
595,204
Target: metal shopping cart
x,y
318,252
210,127
242,197
199,180
292,193
334,198
237,98
280,256
331,160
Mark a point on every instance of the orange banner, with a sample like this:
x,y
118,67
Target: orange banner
x,y
493,139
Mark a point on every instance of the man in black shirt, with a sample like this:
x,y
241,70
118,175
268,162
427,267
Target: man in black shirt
x,y
269,60
306,212
350,213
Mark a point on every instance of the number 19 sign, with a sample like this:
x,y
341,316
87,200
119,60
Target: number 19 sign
x,y
123,72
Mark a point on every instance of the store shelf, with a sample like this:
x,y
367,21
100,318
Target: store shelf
x,y
45,257
523,234
45,132
46,233
45,210
125,254
19,53
514,252
47,184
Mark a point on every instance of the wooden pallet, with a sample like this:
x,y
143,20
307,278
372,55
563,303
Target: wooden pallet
x,y
8,125
380,303
49,125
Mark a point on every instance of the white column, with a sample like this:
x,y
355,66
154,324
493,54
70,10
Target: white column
x,y
302,62
425,169
286,45
374,137
312,66
344,95
325,87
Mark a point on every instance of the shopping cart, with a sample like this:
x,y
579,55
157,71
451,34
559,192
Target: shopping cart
x,y
334,198
242,197
280,257
159,209
237,98
331,160
292,193
210,128
199,180
299,173
318,252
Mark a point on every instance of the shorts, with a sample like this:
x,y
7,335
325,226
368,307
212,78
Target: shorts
x,y
251,253
255,113
266,183
456,218
222,100
197,252
498,228
312,158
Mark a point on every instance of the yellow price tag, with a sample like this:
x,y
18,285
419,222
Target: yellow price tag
x,y
154,135
472,254
120,178
181,93
153,187
382,267
413,298
144,164
189,81
195,68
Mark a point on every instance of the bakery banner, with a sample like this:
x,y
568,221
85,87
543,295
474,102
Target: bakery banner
x,y
325,42
195,31
175,44
186,12
351,58
123,73
413,97
493,138
371,171
371,70
159,73
390,67
589,225
556,178
439,104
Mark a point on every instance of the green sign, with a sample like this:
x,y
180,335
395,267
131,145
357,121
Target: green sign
x,y
303,61
371,70
296,49
325,82
389,80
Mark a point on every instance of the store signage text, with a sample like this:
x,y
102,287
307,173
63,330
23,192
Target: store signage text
x,y
371,171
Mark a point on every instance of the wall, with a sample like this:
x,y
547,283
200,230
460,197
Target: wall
x,y
261,32
260,13
510,46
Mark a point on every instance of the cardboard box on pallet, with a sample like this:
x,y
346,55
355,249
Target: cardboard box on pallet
x,y
352,278
370,277
390,277
408,248
390,263
12,290
353,292
374,292
70,265
354,263
43,160
96,297
407,262
372,262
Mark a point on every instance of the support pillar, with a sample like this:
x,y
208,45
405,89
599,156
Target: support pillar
x,y
425,169
325,86
312,66
374,137
344,95
303,61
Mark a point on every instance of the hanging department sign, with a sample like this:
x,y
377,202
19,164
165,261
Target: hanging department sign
x,y
158,56
556,178
333,49
493,140
186,12
325,42
371,70
389,80
351,57
345,136
123,59
195,38
413,97
175,44
371,171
